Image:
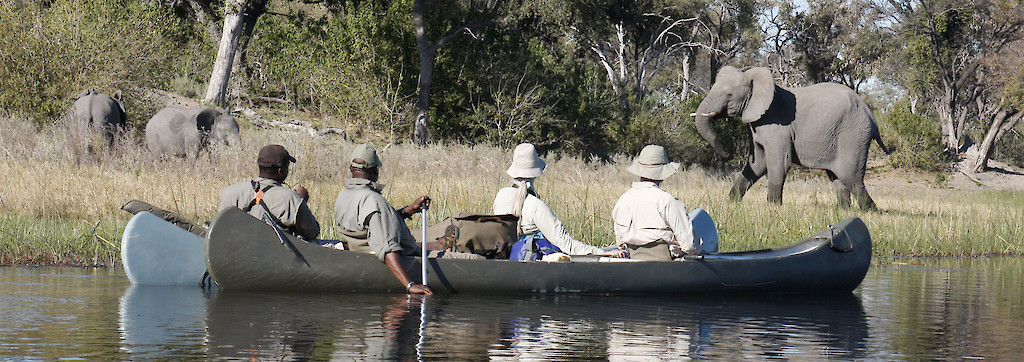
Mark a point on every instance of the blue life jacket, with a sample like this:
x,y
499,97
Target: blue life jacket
x,y
531,247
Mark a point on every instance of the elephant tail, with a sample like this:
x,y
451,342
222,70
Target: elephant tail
x,y
877,136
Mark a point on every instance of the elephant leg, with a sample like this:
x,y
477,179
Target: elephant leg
x,y
755,169
864,200
779,159
841,189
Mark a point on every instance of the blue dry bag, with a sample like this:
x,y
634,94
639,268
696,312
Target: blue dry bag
x,y
530,247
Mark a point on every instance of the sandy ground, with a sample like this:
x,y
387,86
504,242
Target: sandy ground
x,y
999,176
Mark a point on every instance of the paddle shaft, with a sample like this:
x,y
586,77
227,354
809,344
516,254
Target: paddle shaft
x,y
426,252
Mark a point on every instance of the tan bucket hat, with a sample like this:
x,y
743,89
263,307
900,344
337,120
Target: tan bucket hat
x,y
652,163
525,162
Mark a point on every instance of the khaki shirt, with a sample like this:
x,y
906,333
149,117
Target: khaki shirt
x,y
537,216
370,223
284,203
645,214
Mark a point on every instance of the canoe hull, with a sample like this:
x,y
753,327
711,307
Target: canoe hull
x,y
245,253
155,251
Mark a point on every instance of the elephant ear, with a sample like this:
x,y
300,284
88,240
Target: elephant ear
x,y
205,119
761,95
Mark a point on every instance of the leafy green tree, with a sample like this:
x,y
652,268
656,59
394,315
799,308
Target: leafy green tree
x,y
483,13
50,51
1002,100
349,63
835,40
946,45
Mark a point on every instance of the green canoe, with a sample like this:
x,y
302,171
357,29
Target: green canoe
x,y
246,254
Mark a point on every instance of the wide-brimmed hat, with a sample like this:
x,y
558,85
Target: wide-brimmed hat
x,y
525,162
652,163
273,156
365,153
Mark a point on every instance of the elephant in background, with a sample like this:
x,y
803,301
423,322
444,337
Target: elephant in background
x,y
180,131
97,113
825,126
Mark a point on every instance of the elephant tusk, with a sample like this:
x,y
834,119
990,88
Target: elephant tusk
x,y
694,114
710,114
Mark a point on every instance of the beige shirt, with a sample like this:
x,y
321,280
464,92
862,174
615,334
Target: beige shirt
x,y
284,203
370,223
645,213
537,216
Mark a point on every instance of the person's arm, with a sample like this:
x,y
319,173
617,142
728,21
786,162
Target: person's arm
x,y
416,206
227,198
384,240
675,215
555,232
393,263
305,223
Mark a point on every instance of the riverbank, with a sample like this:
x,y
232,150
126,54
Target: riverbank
x,y
61,209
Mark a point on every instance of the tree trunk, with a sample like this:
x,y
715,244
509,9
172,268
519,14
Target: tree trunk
x,y
426,51
200,11
216,91
945,107
999,127
254,9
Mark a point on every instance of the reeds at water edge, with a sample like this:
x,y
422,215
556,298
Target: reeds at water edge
x,y
62,206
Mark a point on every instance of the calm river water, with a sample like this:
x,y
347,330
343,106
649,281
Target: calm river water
x,y
906,309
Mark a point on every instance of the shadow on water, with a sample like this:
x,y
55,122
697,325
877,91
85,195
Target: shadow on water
x,y
190,322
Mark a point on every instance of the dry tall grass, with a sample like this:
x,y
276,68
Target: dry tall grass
x,y
60,207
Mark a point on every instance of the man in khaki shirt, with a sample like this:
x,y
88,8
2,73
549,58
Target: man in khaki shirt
x,y
370,224
649,222
287,207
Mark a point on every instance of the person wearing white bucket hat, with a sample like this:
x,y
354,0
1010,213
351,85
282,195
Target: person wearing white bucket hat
x,y
535,216
648,221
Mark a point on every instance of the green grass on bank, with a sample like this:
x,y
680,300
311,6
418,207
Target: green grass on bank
x,y
27,240
63,208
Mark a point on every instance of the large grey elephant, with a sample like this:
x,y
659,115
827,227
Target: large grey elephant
x,y
180,131
825,126
97,113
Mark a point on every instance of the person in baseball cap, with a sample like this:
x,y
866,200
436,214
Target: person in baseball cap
x,y
267,195
368,222
274,156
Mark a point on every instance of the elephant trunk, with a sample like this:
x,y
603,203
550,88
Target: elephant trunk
x,y
708,109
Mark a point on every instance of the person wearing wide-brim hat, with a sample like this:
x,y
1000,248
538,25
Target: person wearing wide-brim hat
x,y
647,220
287,207
522,200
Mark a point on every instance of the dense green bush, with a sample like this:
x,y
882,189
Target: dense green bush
x,y
505,88
914,138
51,50
664,119
1010,149
353,64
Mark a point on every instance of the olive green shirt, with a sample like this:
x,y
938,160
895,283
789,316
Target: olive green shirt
x,y
284,203
369,223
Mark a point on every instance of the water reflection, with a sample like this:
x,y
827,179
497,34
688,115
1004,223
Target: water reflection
x,y
909,309
160,321
302,326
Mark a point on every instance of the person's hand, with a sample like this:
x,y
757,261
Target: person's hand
x,y
302,192
420,289
617,253
416,206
